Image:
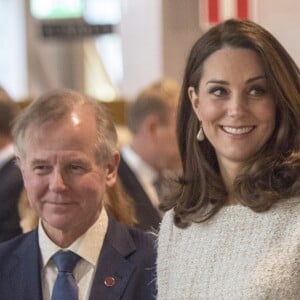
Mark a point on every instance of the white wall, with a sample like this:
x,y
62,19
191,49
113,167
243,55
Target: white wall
x,y
13,64
141,34
282,19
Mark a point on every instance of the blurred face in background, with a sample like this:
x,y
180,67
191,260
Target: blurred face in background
x,y
166,143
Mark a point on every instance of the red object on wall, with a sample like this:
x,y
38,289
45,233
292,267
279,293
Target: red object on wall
x,y
242,9
213,11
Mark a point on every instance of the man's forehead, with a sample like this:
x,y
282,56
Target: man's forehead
x,y
54,156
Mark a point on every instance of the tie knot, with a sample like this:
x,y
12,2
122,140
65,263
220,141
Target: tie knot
x,y
65,261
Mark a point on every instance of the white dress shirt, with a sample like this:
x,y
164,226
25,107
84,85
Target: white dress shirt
x,y
88,247
145,174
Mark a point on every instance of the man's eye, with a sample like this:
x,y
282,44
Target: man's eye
x,y
76,168
41,169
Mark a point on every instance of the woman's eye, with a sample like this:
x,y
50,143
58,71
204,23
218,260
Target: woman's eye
x,y
257,91
218,91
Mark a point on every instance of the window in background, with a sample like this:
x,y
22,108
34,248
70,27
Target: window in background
x,y
57,9
102,11
13,64
103,56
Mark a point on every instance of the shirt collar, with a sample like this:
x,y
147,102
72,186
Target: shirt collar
x,y
87,246
138,165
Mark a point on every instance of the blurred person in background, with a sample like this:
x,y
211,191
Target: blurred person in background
x,y
153,150
11,182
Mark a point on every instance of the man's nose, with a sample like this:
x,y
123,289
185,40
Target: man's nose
x,y
57,182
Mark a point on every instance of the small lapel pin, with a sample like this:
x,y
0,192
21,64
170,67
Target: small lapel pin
x,y
109,281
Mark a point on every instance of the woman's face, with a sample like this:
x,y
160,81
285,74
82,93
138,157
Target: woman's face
x,y
234,104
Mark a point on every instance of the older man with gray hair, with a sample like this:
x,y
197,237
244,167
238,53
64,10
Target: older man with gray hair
x,y
67,152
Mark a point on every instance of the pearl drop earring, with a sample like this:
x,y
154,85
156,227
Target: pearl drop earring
x,y
200,135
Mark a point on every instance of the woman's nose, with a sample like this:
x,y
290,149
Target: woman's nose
x,y
236,106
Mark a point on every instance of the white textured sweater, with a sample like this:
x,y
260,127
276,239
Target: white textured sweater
x,y
237,254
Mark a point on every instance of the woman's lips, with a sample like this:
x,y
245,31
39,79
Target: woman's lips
x,y
237,130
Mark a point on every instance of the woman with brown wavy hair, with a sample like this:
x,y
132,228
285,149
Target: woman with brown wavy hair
x,y
232,228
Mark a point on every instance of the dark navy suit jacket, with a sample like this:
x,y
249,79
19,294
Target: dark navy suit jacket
x,y
11,185
147,216
127,255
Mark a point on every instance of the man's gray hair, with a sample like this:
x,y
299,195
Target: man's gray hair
x,y
58,104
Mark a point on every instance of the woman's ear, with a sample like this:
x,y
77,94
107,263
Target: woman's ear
x,y
194,98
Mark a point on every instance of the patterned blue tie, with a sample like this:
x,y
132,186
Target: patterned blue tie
x,y
65,286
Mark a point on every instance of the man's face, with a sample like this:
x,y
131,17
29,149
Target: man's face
x,y
64,183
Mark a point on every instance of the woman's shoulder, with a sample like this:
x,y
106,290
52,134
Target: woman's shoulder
x,y
167,222
288,206
170,233
288,210
167,229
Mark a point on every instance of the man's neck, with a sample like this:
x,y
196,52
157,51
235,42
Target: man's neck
x,y
64,238
141,150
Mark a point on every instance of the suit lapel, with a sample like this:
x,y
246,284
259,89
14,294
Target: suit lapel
x,y
25,271
113,270
147,215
